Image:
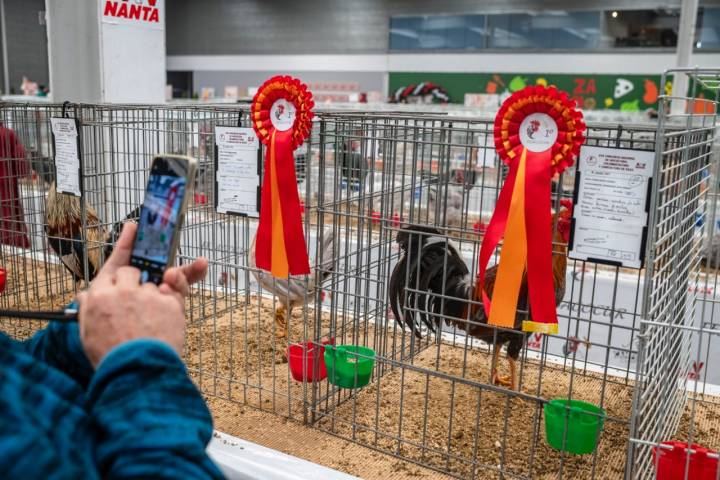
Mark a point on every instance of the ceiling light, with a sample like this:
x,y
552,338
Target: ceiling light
x,y
614,14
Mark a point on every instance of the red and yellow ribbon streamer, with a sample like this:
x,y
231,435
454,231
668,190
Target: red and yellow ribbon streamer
x,y
523,212
280,245
513,255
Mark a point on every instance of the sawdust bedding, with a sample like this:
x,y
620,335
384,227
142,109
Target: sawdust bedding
x,y
236,358
294,438
452,425
32,285
238,355
238,363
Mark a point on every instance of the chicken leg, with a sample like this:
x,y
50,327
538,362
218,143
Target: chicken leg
x,y
503,380
514,384
494,375
281,332
280,323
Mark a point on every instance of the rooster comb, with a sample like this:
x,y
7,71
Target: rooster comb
x,y
567,203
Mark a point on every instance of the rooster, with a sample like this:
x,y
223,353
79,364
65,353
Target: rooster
x,y
63,226
434,268
294,292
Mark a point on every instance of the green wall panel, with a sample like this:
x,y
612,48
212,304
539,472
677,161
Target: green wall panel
x,y
621,92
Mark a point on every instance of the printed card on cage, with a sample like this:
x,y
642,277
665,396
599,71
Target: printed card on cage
x,y
237,171
67,155
610,215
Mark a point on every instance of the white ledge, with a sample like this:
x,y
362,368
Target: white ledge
x,y
242,460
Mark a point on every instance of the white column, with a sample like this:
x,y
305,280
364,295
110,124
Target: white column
x,y
106,50
685,45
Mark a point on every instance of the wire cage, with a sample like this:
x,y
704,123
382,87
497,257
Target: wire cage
x,y
366,178
34,279
676,405
432,401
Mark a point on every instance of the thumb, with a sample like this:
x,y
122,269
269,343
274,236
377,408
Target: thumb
x,y
122,251
80,297
80,301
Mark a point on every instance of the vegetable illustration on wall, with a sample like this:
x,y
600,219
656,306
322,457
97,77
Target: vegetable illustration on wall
x,y
593,91
517,83
651,92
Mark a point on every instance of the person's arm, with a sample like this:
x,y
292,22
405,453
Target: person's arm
x,y
36,423
59,346
146,419
151,420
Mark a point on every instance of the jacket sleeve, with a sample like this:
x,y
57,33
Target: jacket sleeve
x,y
150,419
19,162
59,346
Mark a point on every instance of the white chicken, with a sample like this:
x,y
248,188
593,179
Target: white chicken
x,y
295,291
451,204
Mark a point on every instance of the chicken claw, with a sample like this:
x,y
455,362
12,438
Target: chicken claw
x,y
280,326
503,380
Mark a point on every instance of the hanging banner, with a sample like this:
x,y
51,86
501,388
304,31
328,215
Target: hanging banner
x,y
538,133
282,117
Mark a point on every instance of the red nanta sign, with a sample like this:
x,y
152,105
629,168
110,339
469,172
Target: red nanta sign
x,y
142,10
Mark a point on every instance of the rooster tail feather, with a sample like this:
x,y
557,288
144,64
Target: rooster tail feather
x,y
399,297
327,254
326,258
438,284
117,228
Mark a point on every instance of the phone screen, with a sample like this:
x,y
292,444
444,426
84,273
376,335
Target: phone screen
x,y
159,218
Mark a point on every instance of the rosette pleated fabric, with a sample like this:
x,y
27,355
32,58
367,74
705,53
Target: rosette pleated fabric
x,y
538,133
282,117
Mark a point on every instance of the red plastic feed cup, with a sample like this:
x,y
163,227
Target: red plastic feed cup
x,y
301,359
396,219
670,463
3,279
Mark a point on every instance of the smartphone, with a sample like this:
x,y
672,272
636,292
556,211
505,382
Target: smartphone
x,y
162,215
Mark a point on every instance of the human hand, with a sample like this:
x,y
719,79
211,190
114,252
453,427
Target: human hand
x,y
177,280
117,308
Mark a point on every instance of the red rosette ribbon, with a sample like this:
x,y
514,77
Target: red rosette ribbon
x,y
282,115
538,133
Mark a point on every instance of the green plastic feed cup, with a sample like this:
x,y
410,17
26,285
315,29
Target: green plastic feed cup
x,y
349,366
584,425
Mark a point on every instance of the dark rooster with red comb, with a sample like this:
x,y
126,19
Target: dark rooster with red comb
x,y
431,284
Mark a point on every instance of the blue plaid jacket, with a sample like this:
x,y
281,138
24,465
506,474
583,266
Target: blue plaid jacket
x,y
137,416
